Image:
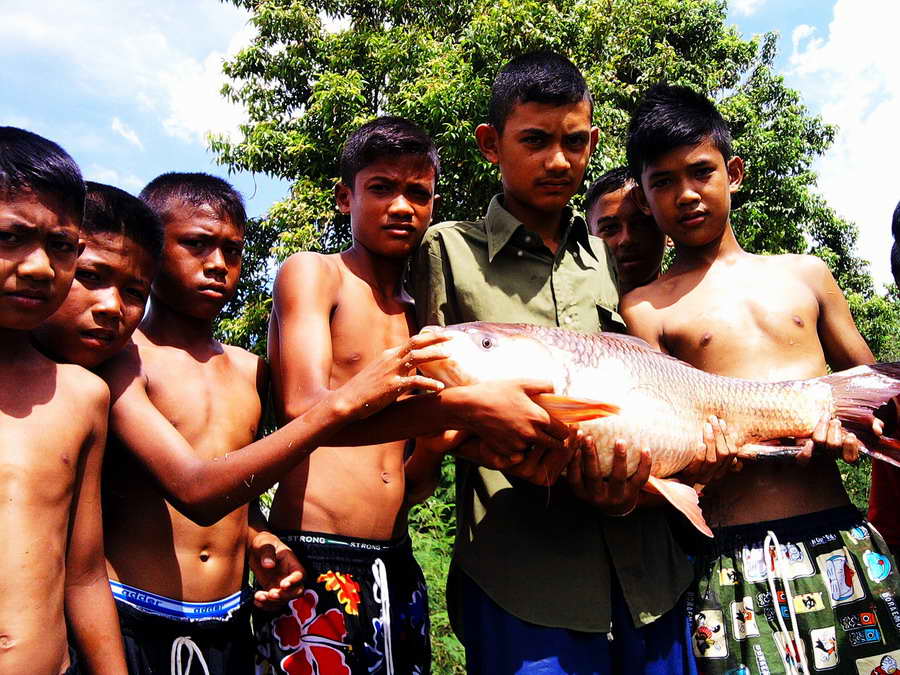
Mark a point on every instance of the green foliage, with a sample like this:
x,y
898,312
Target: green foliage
x,y
319,68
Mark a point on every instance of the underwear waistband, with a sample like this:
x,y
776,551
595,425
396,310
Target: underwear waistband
x,y
295,537
160,605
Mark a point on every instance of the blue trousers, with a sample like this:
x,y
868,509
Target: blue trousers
x,y
498,643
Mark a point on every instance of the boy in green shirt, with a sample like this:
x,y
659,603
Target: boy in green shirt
x,y
540,576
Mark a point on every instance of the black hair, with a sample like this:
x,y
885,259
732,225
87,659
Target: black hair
x,y
611,181
536,77
31,163
166,192
895,249
385,137
670,117
109,209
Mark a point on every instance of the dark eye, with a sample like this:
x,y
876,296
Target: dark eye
x,y
487,343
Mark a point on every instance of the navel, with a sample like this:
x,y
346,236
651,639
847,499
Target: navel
x,y
204,556
385,477
6,642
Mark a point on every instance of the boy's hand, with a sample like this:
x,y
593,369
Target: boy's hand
x,y
505,417
830,436
715,457
616,495
391,375
478,452
278,572
544,465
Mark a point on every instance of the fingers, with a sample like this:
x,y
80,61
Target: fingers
x,y
557,429
723,451
642,475
425,338
417,357
419,382
266,556
820,433
850,449
591,461
620,462
877,426
805,454
833,439
573,472
534,387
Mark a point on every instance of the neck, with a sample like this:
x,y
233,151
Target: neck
x,y
165,325
383,274
546,224
628,285
723,247
14,345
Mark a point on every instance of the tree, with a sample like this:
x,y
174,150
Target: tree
x,y
317,69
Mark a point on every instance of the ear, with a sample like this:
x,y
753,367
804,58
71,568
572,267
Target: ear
x,y
640,199
435,203
342,194
595,137
488,140
81,246
735,169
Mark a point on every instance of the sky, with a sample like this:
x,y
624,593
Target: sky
x,y
131,89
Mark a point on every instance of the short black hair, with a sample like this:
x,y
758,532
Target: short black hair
x,y
670,117
611,181
109,209
385,137
895,249
31,163
537,77
166,192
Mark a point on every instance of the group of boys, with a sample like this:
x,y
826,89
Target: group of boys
x,y
107,310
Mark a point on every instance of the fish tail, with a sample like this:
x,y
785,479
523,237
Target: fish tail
x,y
858,393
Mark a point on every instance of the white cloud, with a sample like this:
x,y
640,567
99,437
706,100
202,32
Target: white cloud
x,y
104,174
163,57
126,132
851,77
746,7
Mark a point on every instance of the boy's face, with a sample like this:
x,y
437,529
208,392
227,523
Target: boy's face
x,y
632,236
201,261
390,204
542,153
688,192
106,302
38,249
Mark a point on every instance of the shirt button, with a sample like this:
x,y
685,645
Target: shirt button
x,y
527,238
520,253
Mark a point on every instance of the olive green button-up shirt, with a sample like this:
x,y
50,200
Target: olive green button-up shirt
x,y
541,554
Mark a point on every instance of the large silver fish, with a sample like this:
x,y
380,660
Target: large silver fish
x,y
618,387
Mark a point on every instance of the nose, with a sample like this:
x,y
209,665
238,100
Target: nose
x,y
36,265
108,303
558,160
214,264
687,194
400,206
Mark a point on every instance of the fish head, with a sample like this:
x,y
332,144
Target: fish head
x,y
483,352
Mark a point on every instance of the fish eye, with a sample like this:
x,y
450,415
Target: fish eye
x,y
486,343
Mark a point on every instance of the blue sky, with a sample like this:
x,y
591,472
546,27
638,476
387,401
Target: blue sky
x,y
130,88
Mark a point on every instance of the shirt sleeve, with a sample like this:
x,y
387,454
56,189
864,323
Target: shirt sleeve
x,y
431,282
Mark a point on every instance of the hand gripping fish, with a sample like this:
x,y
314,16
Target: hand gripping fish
x,y
618,387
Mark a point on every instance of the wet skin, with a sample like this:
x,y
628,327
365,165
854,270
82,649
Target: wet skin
x,y
729,312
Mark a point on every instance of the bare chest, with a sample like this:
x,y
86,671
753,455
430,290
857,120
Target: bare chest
x,y
361,331
214,405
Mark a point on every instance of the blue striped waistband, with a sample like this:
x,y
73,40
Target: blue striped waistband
x,y
175,609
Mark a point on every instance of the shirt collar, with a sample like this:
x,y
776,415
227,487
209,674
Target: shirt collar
x,y
500,226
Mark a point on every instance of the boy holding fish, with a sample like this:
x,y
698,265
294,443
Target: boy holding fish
x,y
541,576
795,578
344,510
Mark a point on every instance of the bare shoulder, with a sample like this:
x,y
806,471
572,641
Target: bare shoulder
x,y
84,386
648,297
808,269
247,363
305,267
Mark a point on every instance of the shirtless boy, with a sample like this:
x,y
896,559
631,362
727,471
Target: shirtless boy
x,y
344,510
53,425
636,243
760,318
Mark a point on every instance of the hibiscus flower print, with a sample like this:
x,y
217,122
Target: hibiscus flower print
x,y
317,638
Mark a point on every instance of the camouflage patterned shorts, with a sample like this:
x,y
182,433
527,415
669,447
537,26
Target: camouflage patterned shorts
x,y
842,585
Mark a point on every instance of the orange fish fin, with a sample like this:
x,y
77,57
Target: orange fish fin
x,y
682,497
570,410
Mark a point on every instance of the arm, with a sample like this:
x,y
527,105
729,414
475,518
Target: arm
x,y
423,468
278,572
205,490
641,320
90,609
843,345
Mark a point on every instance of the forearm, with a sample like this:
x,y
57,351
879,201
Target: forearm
x,y
94,623
423,473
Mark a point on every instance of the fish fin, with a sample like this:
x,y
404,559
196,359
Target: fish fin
x,y
859,392
887,450
764,451
682,497
571,410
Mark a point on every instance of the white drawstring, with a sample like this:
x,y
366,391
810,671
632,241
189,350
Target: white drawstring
x,y
383,597
792,640
192,650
